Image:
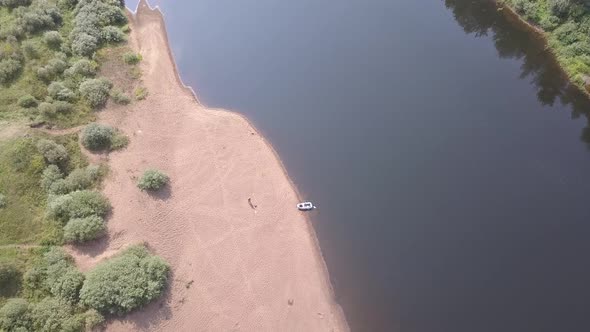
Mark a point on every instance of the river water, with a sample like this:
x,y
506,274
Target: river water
x,y
449,158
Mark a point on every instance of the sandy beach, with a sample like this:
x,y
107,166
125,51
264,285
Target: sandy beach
x,y
236,266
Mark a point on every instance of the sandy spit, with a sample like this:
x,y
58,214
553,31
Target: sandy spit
x,y
236,266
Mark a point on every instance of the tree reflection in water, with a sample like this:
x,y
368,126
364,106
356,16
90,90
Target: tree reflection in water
x,y
514,39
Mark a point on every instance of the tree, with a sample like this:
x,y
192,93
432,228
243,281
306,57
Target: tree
x,y
125,282
15,315
51,174
58,91
52,38
27,101
84,229
96,91
9,69
84,44
52,315
78,204
97,136
52,152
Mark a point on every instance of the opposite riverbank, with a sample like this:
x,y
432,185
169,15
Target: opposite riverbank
x,y
234,266
565,28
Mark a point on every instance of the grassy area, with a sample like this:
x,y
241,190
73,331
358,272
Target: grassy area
x,y
55,47
116,66
19,259
41,62
22,220
567,26
60,61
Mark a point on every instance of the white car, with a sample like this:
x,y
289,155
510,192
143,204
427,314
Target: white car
x,y
305,206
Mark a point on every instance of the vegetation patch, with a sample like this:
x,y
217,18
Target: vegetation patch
x,y
97,137
126,282
52,56
567,26
141,93
21,166
55,296
152,179
120,97
84,229
29,166
47,51
131,58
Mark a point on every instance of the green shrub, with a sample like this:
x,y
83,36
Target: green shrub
x,y
58,91
54,68
84,229
63,107
95,91
112,34
52,39
120,98
9,70
59,187
67,284
132,58
83,178
83,68
568,33
47,109
125,282
33,280
30,49
51,174
119,141
78,204
97,136
52,152
67,4
2,201
152,179
78,179
92,319
27,101
559,8
60,275
84,44
41,16
14,3
141,93
15,315
52,315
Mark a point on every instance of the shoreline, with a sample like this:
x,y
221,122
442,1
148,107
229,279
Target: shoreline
x,y
193,93
233,268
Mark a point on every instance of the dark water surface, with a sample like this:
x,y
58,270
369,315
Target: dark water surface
x,y
449,158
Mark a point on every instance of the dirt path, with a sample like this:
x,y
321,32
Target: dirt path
x,y
235,268
59,132
20,246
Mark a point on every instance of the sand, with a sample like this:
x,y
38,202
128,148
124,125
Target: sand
x,y
234,267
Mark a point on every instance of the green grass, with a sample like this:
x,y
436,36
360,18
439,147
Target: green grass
x,y
141,93
22,220
22,259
